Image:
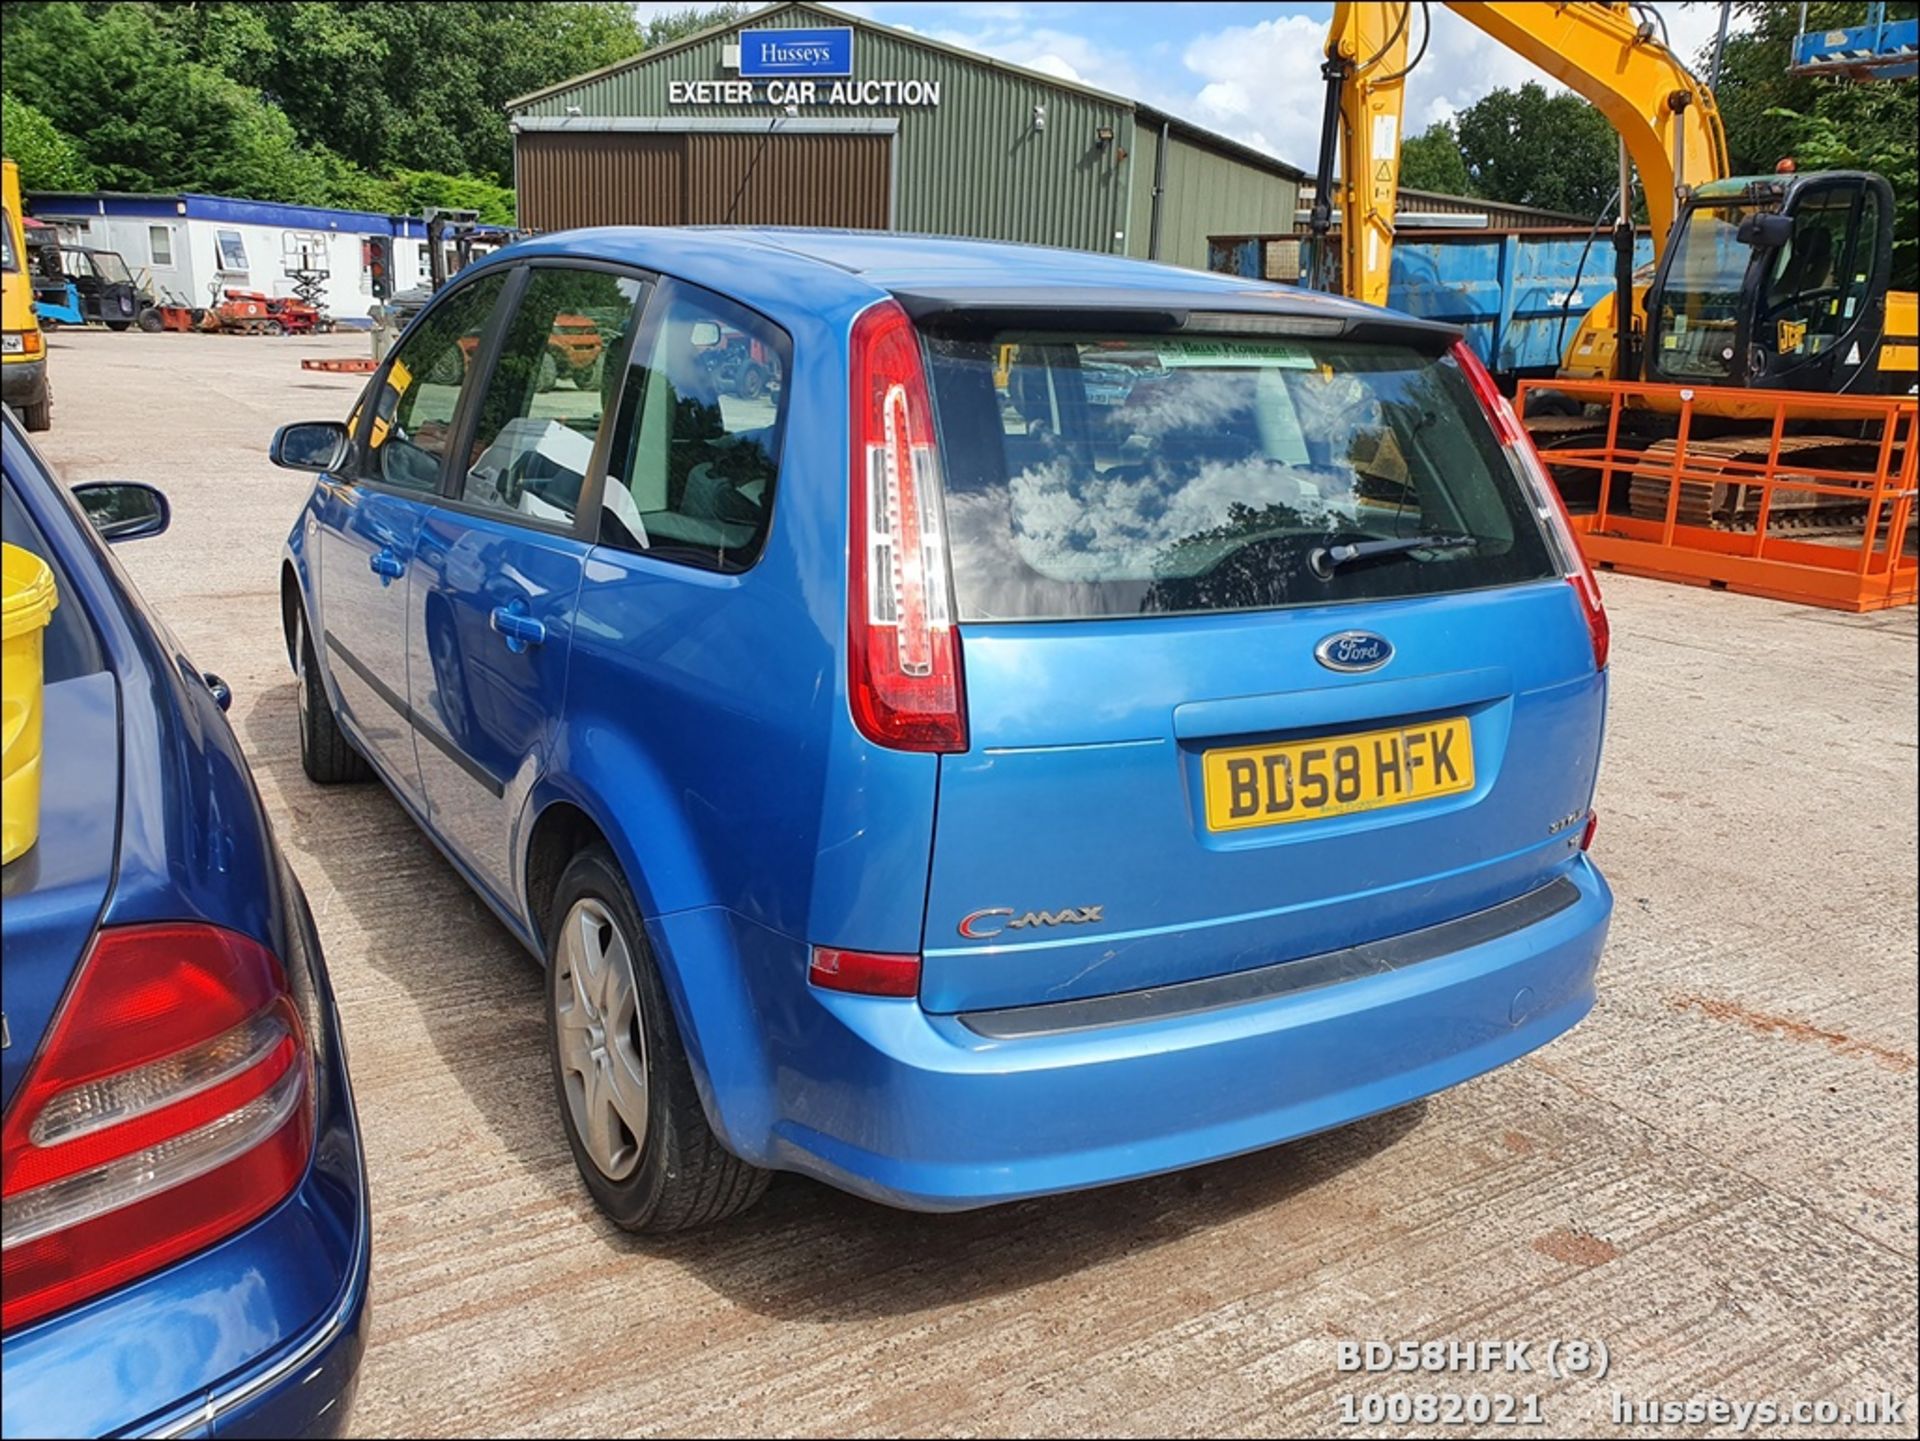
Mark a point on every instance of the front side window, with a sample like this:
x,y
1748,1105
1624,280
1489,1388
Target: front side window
x,y
1115,474
419,394
534,436
1700,307
1808,281
697,448
160,244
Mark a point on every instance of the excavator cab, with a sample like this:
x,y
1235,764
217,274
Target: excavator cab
x,y
1776,282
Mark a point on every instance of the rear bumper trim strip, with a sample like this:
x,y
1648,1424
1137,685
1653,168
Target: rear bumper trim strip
x,y
1188,998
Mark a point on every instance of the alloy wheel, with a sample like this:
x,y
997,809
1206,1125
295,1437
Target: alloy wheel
x,y
599,1038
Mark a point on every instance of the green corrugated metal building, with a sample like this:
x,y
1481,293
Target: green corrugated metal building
x,y
799,114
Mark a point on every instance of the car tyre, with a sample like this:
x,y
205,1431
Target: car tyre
x,y
326,755
39,415
628,1102
151,322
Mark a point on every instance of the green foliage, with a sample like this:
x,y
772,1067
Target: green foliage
x,y
678,24
48,160
377,106
1432,161
1527,147
415,190
1821,122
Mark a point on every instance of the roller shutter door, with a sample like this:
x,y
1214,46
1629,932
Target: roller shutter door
x,y
702,178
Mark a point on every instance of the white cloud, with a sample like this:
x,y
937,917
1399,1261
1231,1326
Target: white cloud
x,y
1260,84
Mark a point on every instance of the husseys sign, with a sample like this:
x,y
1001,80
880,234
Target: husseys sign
x,y
801,68
777,54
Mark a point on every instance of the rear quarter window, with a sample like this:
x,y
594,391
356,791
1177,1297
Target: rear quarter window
x,y
1113,474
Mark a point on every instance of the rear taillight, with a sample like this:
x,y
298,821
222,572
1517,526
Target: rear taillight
x,y
865,973
170,1105
903,677
1545,498
1586,836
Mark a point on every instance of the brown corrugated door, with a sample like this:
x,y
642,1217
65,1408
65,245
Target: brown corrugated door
x,y
806,179
604,177
614,177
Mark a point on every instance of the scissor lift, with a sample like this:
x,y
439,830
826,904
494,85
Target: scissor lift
x,y
1881,49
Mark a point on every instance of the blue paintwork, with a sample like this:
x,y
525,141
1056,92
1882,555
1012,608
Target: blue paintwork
x,y
701,722
68,312
1885,49
175,831
1513,294
481,681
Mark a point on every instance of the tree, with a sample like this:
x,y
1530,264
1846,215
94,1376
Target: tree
x,y
381,106
1527,147
48,160
678,24
1431,161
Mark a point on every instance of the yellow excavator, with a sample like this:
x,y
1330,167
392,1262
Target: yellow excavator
x,y
1770,281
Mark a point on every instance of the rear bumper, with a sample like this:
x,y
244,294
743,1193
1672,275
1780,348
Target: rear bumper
x,y
922,1111
23,382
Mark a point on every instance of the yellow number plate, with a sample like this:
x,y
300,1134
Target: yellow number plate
x,y
1337,775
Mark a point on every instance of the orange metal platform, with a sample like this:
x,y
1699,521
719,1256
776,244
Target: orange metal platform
x,y
1856,566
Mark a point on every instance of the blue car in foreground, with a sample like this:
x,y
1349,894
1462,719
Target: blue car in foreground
x,y
1070,719
185,1211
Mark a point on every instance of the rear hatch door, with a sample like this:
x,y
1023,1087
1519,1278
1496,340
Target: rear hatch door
x,y
1202,738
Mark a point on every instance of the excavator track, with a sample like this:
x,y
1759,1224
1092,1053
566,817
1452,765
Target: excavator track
x,y
1733,504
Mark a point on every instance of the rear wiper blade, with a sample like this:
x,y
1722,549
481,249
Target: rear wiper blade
x,y
1324,560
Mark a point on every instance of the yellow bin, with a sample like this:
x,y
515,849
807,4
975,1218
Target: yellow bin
x,y
26,606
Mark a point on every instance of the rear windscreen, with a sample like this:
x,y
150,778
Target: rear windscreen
x,y
1108,475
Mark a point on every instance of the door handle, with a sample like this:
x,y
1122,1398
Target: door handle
x,y
388,566
520,629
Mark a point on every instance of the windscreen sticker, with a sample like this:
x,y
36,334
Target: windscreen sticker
x,y
1176,353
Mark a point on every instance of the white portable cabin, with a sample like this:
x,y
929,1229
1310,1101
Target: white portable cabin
x,y
191,248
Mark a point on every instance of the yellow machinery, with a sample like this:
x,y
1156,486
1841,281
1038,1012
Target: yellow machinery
x,y
1747,419
23,360
1776,281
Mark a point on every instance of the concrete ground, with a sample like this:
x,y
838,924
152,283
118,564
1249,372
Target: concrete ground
x,y
1714,1175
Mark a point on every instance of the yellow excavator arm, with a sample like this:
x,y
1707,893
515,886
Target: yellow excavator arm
x,y
1665,117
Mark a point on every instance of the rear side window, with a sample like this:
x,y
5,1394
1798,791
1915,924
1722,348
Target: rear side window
x,y
697,449
534,435
1113,474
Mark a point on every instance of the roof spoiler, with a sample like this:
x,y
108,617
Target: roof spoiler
x,y
972,311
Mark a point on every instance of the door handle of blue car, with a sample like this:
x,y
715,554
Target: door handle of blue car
x,y
520,629
388,566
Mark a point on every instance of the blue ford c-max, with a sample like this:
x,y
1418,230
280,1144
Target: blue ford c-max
x,y
961,720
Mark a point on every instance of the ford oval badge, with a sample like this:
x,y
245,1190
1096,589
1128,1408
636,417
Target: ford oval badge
x,y
1354,650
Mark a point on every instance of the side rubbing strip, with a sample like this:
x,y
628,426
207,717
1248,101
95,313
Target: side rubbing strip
x,y
1309,972
489,782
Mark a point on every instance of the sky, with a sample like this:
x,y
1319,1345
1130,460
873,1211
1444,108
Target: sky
x,y
1249,71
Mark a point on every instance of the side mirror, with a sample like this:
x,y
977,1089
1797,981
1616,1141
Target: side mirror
x,y
310,445
703,334
1768,231
124,509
